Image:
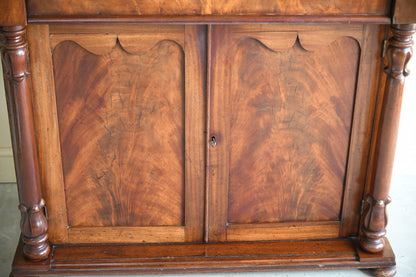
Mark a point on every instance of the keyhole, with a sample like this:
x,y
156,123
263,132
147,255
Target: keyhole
x,y
213,142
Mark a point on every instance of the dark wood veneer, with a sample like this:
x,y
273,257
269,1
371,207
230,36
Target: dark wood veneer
x,y
276,106
206,7
191,258
135,124
13,13
213,19
172,137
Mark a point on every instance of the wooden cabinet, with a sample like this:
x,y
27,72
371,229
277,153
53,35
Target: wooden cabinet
x,y
153,137
122,131
285,106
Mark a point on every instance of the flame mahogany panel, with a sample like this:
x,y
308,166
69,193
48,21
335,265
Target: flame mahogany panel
x,y
283,103
293,109
121,125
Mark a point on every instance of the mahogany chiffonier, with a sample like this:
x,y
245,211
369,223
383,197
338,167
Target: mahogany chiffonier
x,y
204,135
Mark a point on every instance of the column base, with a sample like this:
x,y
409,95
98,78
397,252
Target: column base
x,y
36,249
372,245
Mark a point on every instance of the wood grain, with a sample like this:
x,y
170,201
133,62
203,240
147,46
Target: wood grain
x,y
283,231
190,258
362,127
195,131
127,234
129,112
240,163
206,7
213,19
399,52
46,119
287,160
305,7
134,122
17,84
131,43
217,172
12,13
186,48
404,12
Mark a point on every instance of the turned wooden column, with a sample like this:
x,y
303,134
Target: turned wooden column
x,y
15,58
399,53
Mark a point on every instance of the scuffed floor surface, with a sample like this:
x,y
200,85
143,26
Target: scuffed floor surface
x,y
9,226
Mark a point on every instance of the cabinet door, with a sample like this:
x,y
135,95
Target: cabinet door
x,y
291,114
120,119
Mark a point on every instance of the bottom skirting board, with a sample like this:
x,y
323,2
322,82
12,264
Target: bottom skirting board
x,y
212,257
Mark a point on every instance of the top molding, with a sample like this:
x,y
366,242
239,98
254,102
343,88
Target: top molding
x,y
210,11
13,12
211,19
207,7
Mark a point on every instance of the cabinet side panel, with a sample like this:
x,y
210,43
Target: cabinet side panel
x,y
121,122
290,123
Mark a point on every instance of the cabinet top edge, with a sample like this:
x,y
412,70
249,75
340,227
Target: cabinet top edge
x,y
211,19
19,12
207,7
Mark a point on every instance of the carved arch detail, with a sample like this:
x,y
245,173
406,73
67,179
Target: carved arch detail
x,y
281,41
102,44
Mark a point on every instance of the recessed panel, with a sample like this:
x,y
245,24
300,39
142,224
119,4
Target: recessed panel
x,y
290,122
121,126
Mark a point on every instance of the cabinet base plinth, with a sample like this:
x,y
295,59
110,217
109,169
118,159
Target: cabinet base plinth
x,y
212,257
